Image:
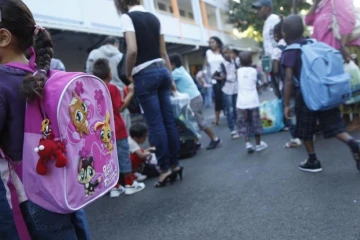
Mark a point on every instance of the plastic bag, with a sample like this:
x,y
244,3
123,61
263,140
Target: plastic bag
x,y
183,112
354,71
272,116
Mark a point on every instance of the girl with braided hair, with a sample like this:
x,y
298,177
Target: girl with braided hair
x,y
19,35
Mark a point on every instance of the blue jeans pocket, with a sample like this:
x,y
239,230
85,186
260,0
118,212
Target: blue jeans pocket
x,y
42,219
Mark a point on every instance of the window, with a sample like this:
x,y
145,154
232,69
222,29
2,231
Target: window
x,y
211,15
186,9
225,21
162,6
190,15
182,13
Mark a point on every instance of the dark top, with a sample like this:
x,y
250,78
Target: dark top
x,y
147,30
12,112
292,59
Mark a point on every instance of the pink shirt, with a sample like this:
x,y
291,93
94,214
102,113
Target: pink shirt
x,y
321,21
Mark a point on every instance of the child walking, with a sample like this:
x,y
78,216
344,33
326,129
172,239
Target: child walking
x,y
185,84
230,90
101,69
330,121
279,74
248,103
19,35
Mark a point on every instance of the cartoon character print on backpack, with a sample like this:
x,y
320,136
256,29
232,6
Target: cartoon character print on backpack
x,y
105,133
86,173
78,111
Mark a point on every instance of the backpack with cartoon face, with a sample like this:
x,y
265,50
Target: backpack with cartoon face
x,y
69,152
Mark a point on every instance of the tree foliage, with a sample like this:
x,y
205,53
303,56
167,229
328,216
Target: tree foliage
x,y
245,19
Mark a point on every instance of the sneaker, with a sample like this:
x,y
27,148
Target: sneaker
x,y
310,166
140,177
234,135
249,148
117,191
136,187
261,147
356,155
296,141
214,144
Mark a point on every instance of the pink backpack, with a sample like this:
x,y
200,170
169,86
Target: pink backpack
x,y
70,157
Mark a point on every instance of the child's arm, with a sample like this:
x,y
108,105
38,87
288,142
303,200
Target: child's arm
x,y
127,99
219,76
276,67
142,155
288,88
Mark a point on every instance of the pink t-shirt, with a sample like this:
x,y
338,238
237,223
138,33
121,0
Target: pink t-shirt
x,y
322,18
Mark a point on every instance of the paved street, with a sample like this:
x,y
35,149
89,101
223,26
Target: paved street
x,y
228,194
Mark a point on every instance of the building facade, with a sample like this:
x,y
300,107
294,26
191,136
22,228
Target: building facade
x,y
78,26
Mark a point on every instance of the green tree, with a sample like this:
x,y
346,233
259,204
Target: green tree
x,y
245,19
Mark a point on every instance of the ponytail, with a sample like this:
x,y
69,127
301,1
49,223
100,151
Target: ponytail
x,y
33,85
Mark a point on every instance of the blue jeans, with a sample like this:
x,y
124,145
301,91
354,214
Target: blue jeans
x,y
208,97
124,155
230,109
153,89
7,223
43,224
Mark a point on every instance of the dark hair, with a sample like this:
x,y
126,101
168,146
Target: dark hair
x,y
246,59
122,5
293,27
218,41
278,28
226,47
19,21
175,59
111,40
138,130
236,52
101,68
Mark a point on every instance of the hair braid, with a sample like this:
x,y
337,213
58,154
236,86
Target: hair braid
x,y
33,85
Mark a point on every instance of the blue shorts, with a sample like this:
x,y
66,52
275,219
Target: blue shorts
x,y
124,155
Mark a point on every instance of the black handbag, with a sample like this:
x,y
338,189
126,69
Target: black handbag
x,y
121,67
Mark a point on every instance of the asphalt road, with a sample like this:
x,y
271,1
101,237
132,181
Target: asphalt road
x,y
228,194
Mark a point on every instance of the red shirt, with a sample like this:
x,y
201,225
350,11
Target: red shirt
x,y
117,101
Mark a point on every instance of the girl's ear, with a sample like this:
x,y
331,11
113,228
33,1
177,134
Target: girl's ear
x,y
5,37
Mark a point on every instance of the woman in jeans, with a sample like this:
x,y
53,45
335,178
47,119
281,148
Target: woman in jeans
x,y
148,67
214,59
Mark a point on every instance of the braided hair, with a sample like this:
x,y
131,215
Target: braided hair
x,y
17,18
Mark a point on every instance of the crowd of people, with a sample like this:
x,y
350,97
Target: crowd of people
x,y
147,81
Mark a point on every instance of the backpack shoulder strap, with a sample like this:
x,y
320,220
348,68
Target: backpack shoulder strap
x,y
294,46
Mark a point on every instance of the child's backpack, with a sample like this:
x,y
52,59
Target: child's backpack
x,y
323,82
69,154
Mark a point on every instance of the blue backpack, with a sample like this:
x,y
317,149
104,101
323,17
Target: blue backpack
x,y
324,83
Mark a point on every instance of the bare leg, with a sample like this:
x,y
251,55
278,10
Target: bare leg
x,y
217,117
247,139
210,133
309,145
257,139
344,137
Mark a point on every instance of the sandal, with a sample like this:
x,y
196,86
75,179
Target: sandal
x,y
168,178
293,144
